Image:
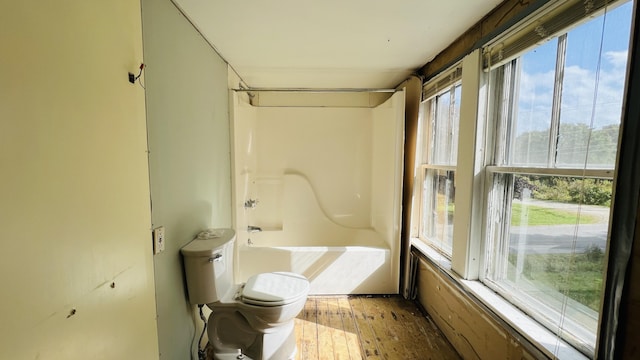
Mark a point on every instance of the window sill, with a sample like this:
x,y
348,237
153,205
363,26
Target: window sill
x,y
433,255
541,338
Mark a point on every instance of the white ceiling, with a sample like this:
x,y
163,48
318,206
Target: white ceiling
x,y
331,43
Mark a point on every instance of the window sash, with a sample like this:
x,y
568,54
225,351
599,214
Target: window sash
x,y
505,111
436,243
445,84
441,128
497,248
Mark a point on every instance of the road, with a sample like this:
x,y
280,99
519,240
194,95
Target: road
x,y
559,239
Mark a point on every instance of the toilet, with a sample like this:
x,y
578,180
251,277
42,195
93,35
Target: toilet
x,y
252,321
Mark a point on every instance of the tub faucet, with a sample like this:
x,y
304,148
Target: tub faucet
x,y
253,229
250,204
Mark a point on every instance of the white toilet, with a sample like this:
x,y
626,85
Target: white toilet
x,y
254,321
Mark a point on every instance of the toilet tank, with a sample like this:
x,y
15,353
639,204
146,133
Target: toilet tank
x,y
208,265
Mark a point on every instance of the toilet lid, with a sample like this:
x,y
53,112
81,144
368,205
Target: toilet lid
x,y
274,289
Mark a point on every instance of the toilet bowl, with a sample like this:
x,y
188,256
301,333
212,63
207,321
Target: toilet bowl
x,y
255,320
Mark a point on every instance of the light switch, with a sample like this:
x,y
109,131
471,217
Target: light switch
x,y
158,240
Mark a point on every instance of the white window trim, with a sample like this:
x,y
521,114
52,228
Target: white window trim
x,y
568,172
465,259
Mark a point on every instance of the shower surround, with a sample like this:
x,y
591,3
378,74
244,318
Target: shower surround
x,y
317,191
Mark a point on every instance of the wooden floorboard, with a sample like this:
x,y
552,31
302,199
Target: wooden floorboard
x,y
368,327
308,344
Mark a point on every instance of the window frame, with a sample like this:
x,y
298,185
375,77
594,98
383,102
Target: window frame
x,y
443,84
476,158
500,162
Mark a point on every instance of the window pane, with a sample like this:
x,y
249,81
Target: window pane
x,y
593,89
534,100
554,259
445,127
438,209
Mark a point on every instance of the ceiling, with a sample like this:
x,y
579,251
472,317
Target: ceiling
x,y
331,43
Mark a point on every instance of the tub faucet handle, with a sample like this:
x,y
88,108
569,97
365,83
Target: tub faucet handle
x,y
250,204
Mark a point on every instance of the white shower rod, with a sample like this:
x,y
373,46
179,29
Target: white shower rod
x,y
322,90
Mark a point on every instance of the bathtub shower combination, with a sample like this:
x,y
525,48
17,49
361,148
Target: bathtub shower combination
x,y
317,192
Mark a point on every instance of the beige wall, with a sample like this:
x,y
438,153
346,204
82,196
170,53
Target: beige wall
x,y
470,329
74,195
187,106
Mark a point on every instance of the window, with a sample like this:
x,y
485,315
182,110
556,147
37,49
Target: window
x,y
522,157
439,127
555,111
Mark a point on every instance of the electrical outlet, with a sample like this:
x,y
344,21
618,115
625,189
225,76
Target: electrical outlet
x,y
158,240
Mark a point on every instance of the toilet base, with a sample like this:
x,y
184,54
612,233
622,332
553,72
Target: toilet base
x,y
229,333
229,356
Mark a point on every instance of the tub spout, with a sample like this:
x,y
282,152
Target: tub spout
x,y
253,229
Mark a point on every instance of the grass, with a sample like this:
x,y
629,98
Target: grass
x,y
578,276
538,215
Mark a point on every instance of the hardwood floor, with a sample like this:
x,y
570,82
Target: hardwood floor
x,y
361,327
367,328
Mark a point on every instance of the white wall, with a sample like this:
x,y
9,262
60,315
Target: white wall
x,y
187,104
332,147
386,174
74,195
386,167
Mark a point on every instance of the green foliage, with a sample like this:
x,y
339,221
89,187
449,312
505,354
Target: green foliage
x,y
532,148
538,215
572,190
594,254
578,276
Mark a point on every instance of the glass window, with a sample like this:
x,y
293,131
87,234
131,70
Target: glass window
x,y
441,115
557,109
438,206
534,94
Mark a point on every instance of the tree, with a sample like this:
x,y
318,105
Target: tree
x,y
574,146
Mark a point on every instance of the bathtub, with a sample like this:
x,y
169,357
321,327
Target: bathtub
x,y
325,193
352,261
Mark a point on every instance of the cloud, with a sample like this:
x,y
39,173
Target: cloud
x,y
617,58
579,85
535,96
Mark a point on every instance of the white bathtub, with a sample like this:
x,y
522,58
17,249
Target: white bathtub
x,y
352,261
324,185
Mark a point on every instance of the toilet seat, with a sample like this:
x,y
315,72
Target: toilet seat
x,y
274,289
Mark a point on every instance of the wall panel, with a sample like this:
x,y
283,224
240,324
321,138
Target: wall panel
x,y
77,267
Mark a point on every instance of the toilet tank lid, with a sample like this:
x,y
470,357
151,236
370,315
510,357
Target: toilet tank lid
x,y
203,245
275,287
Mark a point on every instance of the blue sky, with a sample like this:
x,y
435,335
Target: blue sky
x,y
583,54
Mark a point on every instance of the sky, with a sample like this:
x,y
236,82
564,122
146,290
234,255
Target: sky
x,y
583,55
